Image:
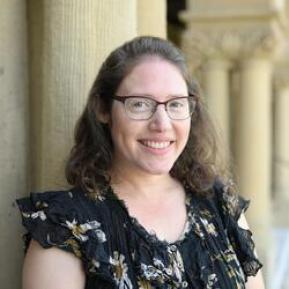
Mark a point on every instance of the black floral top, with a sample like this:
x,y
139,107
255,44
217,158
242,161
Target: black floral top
x,y
117,252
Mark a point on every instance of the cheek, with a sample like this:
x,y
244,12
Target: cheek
x,y
117,122
184,131
122,129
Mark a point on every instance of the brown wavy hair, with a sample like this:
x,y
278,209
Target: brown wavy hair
x,y
91,156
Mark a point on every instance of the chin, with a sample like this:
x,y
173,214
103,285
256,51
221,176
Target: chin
x,y
159,171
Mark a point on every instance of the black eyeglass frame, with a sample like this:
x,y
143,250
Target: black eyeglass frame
x,y
124,98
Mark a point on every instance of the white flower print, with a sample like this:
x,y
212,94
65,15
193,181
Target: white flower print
x,y
210,227
176,261
212,279
120,271
151,273
80,230
39,214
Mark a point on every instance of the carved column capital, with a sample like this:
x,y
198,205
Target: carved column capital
x,y
229,43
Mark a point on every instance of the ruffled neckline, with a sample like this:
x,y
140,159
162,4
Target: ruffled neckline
x,y
151,236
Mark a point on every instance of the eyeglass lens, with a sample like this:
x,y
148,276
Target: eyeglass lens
x,y
144,108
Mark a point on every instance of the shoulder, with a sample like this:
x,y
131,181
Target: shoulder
x,y
72,203
71,221
230,207
225,201
66,219
51,268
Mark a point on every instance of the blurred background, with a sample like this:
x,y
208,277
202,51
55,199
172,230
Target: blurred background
x,y
50,51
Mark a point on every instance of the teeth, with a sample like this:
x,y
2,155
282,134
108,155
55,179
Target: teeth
x,y
156,145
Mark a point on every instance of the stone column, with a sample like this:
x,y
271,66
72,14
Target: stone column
x,y
216,85
254,149
14,140
281,150
151,18
69,40
248,36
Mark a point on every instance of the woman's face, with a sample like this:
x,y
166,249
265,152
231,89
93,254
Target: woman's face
x,y
149,146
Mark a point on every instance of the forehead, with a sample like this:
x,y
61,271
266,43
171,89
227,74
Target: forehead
x,y
153,75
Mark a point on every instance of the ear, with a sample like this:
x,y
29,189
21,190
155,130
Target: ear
x,y
101,114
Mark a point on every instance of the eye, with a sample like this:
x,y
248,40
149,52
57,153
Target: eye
x,y
177,103
138,104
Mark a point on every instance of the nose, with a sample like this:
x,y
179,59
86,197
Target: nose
x,y
160,121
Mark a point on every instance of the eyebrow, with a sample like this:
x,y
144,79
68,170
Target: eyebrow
x,y
152,96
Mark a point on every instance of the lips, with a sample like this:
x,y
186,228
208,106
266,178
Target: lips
x,y
156,144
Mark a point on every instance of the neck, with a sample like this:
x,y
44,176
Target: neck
x,y
147,186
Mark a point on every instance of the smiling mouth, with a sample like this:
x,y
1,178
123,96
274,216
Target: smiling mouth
x,y
156,144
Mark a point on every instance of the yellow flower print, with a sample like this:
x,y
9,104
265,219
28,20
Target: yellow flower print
x,y
80,230
210,227
75,247
144,284
120,271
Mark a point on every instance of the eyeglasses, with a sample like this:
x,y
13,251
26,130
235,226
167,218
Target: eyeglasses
x,y
143,107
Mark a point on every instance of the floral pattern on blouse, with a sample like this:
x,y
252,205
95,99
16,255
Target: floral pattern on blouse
x,y
120,270
117,252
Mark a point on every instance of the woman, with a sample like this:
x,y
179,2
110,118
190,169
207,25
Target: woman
x,y
147,208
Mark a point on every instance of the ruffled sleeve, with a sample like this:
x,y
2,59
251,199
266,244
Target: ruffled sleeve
x,y
231,206
62,219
